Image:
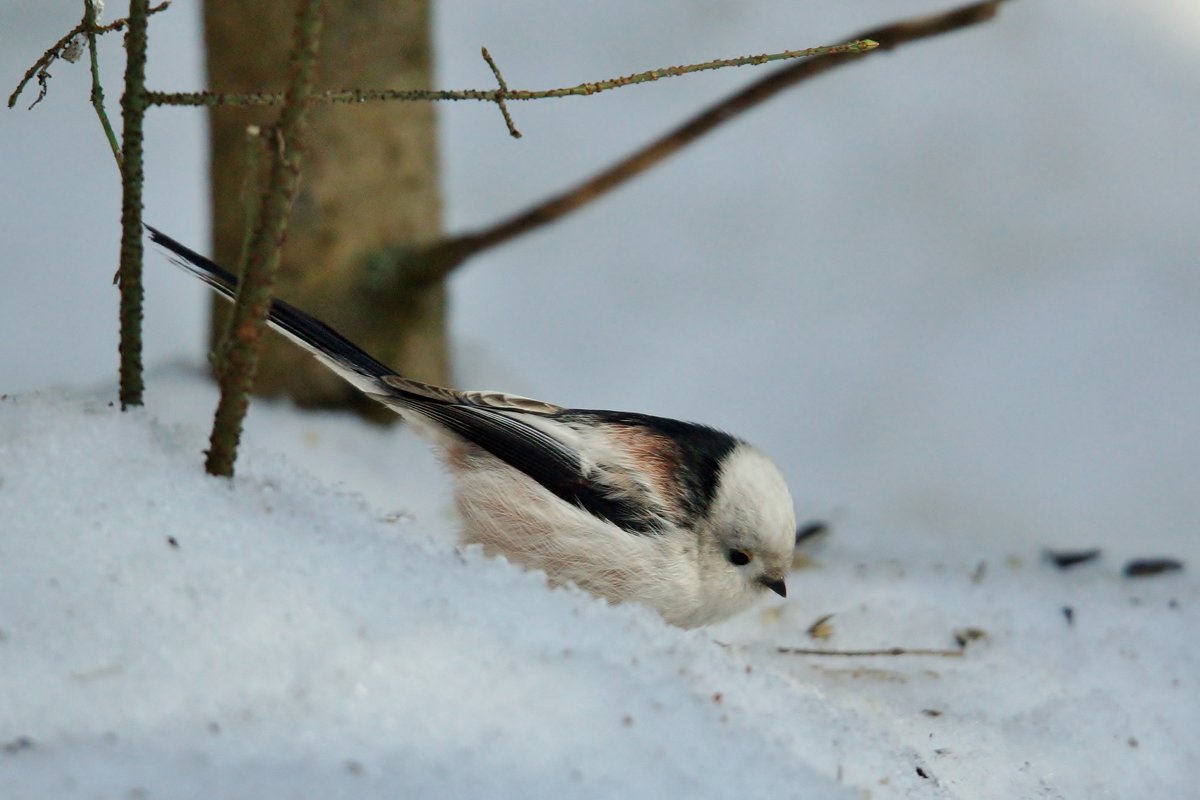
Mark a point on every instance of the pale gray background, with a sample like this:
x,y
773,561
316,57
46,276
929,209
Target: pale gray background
x,y
953,290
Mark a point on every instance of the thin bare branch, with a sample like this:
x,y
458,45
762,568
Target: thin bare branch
x,y
55,51
133,115
239,353
885,651
501,95
90,30
491,95
441,258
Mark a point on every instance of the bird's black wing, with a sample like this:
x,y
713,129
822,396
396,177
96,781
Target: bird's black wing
x,y
544,458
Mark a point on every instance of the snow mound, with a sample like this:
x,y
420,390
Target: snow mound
x,y
168,634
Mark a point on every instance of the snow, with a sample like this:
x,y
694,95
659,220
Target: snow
x,y
169,634
951,290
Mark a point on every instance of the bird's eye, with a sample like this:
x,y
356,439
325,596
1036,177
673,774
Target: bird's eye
x,y
739,558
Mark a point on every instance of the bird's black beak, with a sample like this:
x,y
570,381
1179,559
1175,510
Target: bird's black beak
x,y
776,585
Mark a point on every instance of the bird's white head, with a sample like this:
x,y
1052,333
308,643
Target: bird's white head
x,y
748,536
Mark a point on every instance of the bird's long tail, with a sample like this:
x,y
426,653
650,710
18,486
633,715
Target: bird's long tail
x,y
334,350
494,421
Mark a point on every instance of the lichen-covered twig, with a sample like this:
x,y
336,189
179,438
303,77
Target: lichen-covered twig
x,y
496,95
501,95
90,31
133,114
55,51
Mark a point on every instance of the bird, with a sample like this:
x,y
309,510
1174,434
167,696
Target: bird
x,y
634,508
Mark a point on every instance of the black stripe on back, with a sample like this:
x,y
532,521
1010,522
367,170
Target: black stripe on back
x,y
702,451
546,460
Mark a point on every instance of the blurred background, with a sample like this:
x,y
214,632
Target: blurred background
x,y
953,290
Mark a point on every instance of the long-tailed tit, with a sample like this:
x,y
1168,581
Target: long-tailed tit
x,y
633,508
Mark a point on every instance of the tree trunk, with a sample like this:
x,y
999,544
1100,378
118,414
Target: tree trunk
x,y
369,182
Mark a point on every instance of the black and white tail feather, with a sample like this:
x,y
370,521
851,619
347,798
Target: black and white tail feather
x,y
632,507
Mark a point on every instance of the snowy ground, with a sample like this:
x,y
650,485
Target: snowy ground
x,y
165,634
952,290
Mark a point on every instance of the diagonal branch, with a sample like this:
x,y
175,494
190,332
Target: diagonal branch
x,y
443,257
89,23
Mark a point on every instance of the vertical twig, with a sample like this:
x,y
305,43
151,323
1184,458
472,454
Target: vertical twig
x,y
239,352
133,113
253,187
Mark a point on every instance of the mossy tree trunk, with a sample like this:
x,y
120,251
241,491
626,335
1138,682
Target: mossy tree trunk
x,y
369,183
